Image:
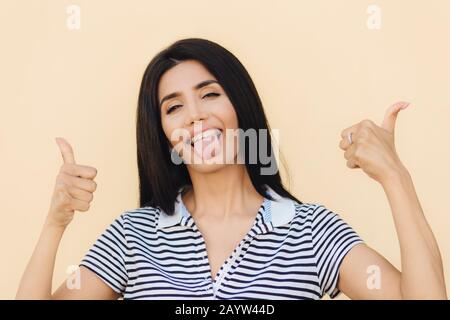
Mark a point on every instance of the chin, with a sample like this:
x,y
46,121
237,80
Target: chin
x,y
207,168
217,163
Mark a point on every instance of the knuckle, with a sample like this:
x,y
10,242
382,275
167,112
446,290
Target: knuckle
x,y
89,171
85,207
61,177
67,167
78,205
346,155
364,133
362,139
367,123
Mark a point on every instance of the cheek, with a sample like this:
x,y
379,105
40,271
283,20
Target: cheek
x,y
228,116
173,128
168,128
165,127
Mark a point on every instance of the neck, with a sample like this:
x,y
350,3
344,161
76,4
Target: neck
x,y
222,195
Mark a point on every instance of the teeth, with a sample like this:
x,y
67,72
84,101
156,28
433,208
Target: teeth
x,y
205,134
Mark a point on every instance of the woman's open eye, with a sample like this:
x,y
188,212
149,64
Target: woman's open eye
x,y
211,94
170,109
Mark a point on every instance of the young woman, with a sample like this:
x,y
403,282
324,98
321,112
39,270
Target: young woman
x,y
212,227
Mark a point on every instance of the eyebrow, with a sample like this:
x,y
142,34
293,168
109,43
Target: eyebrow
x,y
196,87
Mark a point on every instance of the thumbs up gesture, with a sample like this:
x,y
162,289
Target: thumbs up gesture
x,y
74,187
372,148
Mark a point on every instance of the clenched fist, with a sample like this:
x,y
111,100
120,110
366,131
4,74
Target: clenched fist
x,y
74,187
372,147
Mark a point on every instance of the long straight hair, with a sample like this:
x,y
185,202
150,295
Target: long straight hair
x,y
159,178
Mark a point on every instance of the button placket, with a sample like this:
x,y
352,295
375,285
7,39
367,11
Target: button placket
x,y
204,256
225,268
190,223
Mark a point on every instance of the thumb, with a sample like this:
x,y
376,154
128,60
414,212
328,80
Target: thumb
x,y
66,150
391,115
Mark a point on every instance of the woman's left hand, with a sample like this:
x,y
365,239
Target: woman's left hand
x,y
373,148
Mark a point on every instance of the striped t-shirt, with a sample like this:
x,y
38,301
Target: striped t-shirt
x,y
292,251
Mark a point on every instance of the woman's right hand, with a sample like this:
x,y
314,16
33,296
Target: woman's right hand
x,y
74,188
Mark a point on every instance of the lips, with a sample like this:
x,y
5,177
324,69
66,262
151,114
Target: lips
x,y
207,144
206,135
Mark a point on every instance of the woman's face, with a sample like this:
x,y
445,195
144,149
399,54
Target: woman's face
x,y
195,116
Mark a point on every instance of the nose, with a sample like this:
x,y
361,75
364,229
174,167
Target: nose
x,y
196,113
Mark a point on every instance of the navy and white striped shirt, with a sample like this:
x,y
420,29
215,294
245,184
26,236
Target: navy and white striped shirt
x,y
292,251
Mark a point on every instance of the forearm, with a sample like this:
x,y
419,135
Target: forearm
x,y
422,271
36,282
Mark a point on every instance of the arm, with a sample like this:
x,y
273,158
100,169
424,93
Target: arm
x,y
91,288
74,189
36,281
422,275
373,150
422,270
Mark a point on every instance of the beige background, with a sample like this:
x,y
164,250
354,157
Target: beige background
x,y
318,69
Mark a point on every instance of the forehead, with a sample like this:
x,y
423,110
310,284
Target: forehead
x,y
183,76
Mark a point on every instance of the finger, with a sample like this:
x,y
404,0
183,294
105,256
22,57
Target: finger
x,y
78,170
390,116
348,154
81,183
80,194
79,205
345,132
66,150
351,164
344,144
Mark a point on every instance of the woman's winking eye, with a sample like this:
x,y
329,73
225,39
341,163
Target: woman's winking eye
x,y
210,94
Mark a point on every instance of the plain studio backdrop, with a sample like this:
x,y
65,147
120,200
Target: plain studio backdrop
x,y
319,67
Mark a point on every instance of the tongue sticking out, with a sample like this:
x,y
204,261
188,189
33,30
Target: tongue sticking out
x,y
207,147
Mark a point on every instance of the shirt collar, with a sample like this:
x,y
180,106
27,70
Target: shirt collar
x,y
274,213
